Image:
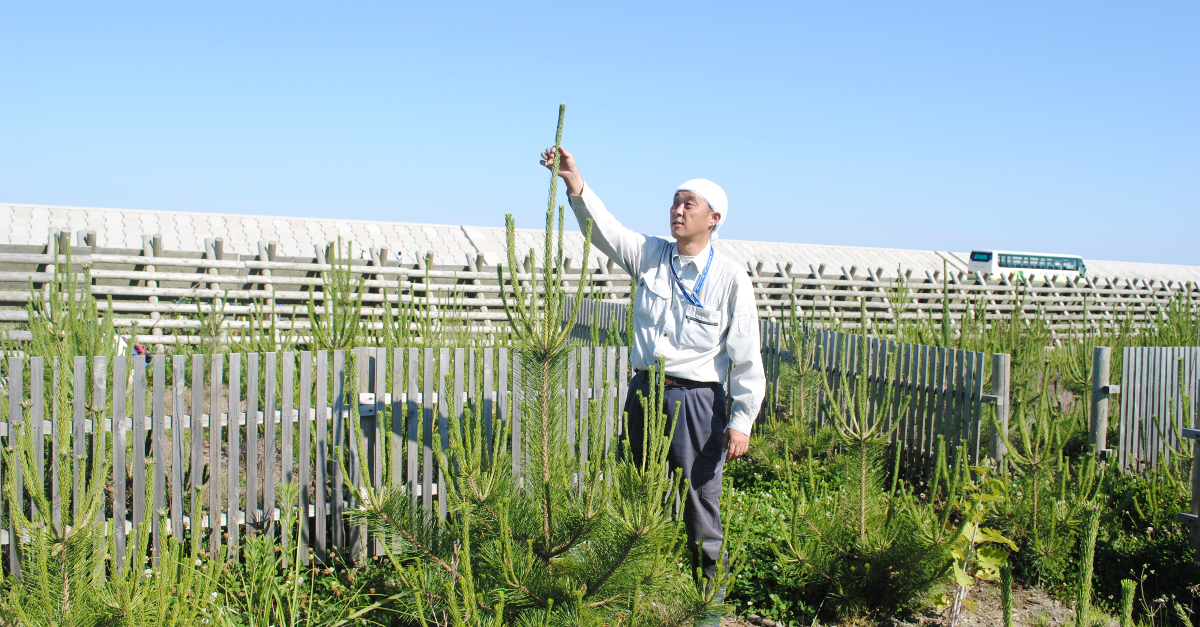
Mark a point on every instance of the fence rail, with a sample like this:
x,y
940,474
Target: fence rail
x,y
159,294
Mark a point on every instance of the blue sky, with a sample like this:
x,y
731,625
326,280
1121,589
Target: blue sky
x,y
1063,127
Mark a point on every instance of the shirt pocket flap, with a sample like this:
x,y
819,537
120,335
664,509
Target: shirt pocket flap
x,y
706,317
656,282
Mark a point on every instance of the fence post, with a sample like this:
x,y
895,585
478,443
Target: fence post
x,y
151,247
1191,518
266,252
1194,516
214,249
1098,436
1000,377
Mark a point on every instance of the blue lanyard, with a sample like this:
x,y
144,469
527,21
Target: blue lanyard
x,y
693,298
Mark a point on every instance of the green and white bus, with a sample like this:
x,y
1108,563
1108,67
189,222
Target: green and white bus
x,y
1041,266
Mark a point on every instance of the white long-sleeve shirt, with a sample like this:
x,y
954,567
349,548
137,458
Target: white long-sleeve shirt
x,y
698,343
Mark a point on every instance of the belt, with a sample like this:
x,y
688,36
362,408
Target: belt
x,y
677,382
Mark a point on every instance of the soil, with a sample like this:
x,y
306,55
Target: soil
x,y
1032,607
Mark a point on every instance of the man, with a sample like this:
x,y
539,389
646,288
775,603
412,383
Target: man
x,y
695,309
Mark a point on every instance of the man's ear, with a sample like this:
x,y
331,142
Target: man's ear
x,y
714,219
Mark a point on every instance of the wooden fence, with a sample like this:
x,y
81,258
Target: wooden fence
x,y
159,296
209,439
598,322
937,392
1159,407
1158,403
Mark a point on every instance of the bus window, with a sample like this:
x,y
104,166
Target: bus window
x,y
1014,261
1039,262
978,256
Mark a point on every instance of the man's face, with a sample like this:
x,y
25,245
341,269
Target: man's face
x,y
691,216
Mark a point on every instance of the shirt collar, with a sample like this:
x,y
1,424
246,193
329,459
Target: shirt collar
x,y
677,258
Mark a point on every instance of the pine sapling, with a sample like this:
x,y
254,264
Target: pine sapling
x,y
868,551
1006,600
555,538
1083,597
339,322
1128,591
1182,613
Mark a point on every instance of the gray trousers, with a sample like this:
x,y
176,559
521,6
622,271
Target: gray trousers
x,y
697,449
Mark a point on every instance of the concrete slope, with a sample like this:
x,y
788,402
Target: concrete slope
x,y
123,228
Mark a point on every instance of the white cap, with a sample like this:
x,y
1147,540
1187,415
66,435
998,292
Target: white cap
x,y
713,195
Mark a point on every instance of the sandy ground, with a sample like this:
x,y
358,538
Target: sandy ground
x,y
1032,607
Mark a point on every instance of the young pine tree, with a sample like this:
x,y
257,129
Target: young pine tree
x,y
64,319
552,539
69,573
857,546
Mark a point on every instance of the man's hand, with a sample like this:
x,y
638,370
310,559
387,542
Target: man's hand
x,y
736,444
567,170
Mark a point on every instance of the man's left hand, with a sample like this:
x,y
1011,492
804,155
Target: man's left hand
x,y
736,444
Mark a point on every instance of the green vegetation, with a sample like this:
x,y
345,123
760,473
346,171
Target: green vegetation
x,y
68,574
1055,517
563,544
823,522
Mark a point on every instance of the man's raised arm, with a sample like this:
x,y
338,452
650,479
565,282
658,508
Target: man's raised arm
x,y
608,234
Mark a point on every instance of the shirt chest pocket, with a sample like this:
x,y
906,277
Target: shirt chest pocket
x,y
652,300
701,327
